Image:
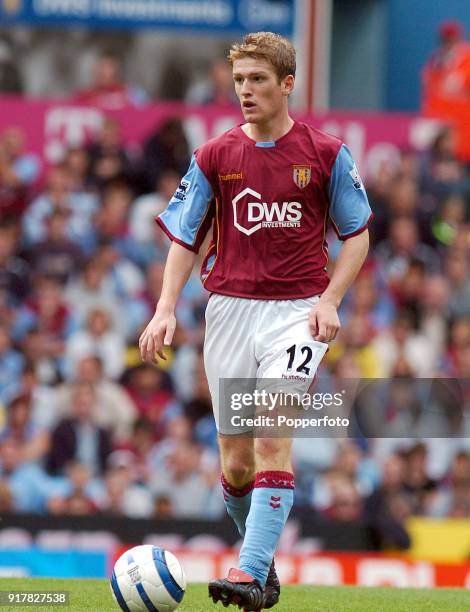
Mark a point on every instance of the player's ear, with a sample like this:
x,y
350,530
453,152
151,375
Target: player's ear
x,y
287,84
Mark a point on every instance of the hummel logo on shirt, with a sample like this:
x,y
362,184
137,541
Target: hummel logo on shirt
x,y
234,176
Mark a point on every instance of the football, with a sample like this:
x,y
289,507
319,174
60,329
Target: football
x,y
148,578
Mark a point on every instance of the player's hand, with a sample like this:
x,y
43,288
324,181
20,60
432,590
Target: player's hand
x,y
324,321
158,333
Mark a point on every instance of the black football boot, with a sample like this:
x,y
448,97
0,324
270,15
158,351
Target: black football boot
x,y
272,590
238,589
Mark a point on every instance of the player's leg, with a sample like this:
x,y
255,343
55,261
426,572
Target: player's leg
x,y
229,355
255,586
238,471
286,352
271,502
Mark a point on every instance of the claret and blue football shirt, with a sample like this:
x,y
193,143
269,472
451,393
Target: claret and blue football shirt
x,y
269,204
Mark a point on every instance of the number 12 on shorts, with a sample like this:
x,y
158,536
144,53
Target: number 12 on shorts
x,y
306,356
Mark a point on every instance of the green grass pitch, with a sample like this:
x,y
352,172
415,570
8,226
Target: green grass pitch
x,y
95,596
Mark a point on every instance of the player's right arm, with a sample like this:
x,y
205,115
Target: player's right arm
x,y
159,332
186,221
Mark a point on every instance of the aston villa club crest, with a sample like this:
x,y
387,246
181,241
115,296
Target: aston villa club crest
x,y
302,176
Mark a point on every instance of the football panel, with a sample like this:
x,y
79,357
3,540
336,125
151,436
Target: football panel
x,y
174,589
116,589
176,569
159,597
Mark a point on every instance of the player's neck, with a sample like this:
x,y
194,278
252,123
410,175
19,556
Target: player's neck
x,y
269,131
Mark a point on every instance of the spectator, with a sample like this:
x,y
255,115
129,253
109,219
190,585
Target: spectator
x,y
369,301
76,493
57,255
98,338
26,483
183,479
13,192
459,340
10,77
111,221
32,442
346,503
449,218
165,149
93,290
403,246
150,389
418,485
147,207
140,444
446,81
388,507
457,274
217,88
108,159
355,340
27,167
403,340
453,499
6,499
310,468
434,310
108,90
125,278
442,174
14,271
177,432
122,496
41,327
360,470
59,194
163,507
78,437
126,282
199,410
46,312
113,409
43,398
77,163
153,284
11,366
150,243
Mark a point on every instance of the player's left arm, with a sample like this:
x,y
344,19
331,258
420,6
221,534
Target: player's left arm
x,y
324,320
350,214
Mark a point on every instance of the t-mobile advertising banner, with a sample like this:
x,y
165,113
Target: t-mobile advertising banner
x,y
51,127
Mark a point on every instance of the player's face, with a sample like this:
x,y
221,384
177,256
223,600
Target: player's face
x,y
257,86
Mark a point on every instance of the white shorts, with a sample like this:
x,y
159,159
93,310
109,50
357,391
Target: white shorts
x,y
252,340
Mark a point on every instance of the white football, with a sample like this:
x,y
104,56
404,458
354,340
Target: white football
x,y
148,578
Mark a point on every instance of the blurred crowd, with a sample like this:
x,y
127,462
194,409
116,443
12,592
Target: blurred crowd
x,y
101,79
85,427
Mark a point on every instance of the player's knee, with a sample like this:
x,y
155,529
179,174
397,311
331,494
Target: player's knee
x,y
237,471
269,448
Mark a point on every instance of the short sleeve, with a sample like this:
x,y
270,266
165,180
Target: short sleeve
x,y
190,211
350,212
